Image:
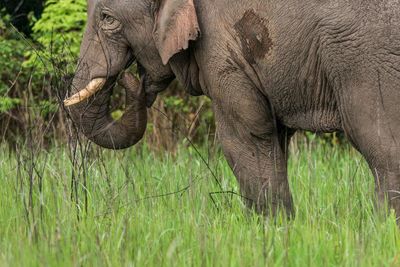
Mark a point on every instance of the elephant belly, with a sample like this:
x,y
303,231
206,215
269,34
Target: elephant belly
x,y
314,110
315,121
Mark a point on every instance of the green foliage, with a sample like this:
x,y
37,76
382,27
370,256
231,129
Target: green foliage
x,y
47,107
59,32
333,139
8,103
176,102
11,57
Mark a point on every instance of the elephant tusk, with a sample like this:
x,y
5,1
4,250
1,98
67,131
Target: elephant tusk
x,y
93,87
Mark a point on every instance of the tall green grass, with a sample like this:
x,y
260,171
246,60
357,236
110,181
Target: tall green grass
x,y
135,208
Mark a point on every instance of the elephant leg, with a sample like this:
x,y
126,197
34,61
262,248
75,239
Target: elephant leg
x,y
371,120
256,149
384,165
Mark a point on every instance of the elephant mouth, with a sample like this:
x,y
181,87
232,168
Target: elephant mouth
x,y
151,86
94,86
97,84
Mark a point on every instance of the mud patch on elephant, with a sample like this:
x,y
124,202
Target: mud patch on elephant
x,y
254,36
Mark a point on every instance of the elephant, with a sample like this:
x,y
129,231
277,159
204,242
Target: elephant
x,y
270,68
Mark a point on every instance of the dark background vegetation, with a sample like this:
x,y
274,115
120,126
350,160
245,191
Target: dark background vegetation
x,y
21,11
39,44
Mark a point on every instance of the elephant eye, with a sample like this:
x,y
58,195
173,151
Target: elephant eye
x,y
109,23
108,19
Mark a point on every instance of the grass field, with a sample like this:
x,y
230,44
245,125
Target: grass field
x,y
135,208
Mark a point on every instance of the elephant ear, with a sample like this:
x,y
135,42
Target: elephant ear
x,y
175,25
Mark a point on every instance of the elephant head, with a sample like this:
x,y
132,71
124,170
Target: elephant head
x,y
118,33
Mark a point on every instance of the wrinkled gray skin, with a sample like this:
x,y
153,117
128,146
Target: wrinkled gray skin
x,y
270,67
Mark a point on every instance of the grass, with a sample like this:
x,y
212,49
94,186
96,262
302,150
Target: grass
x,y
135,208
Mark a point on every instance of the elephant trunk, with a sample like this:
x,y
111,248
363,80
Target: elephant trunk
x,y
94,119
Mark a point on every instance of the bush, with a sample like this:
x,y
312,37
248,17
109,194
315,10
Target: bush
x,y
11,58
25,93
58,33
